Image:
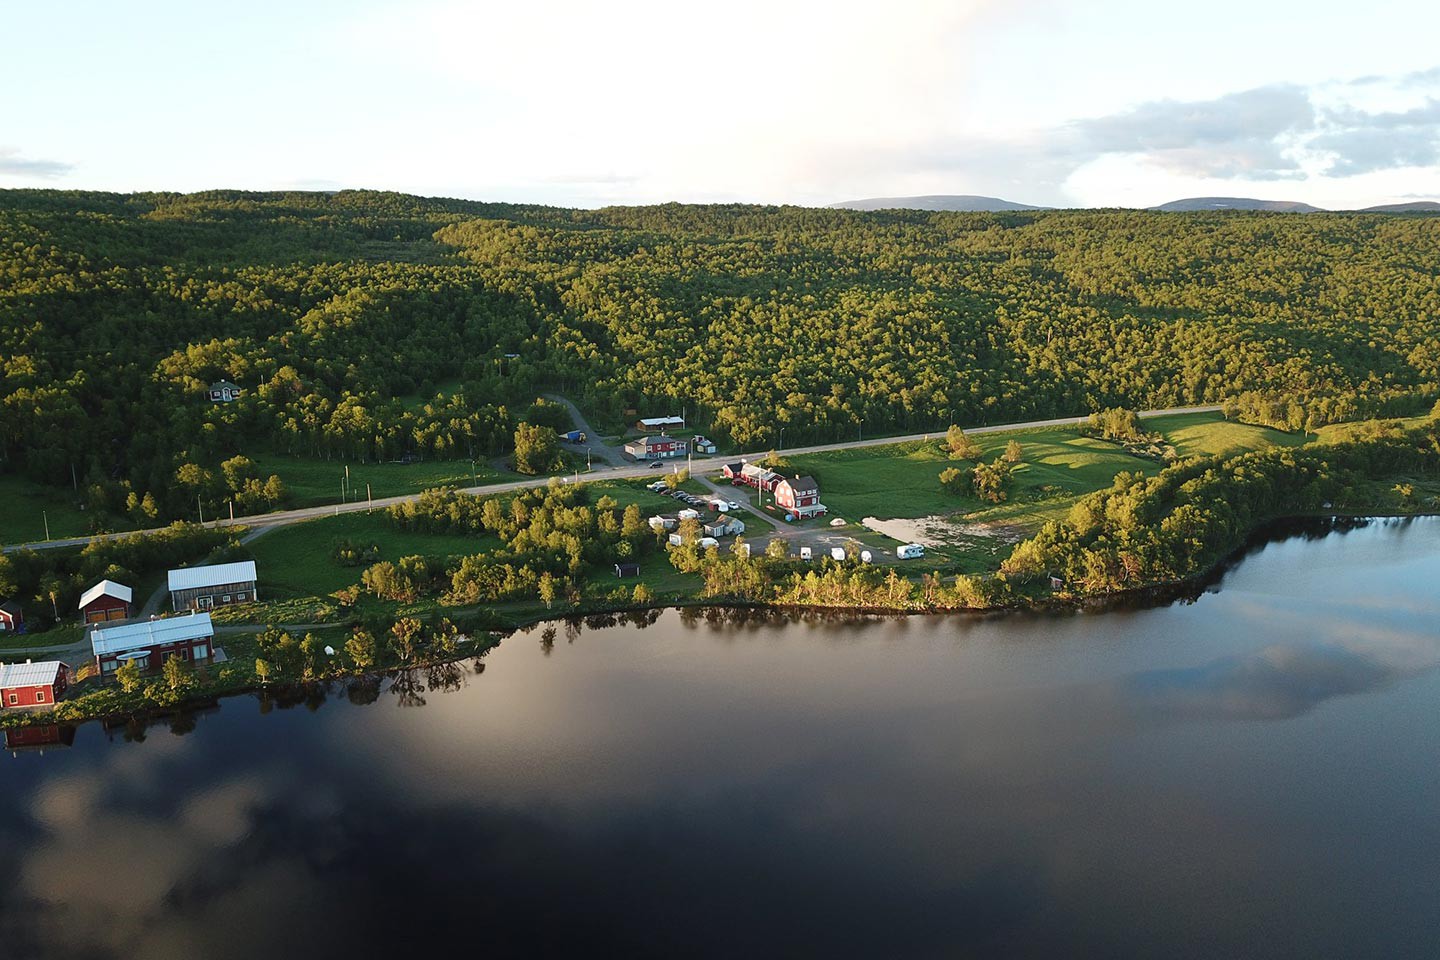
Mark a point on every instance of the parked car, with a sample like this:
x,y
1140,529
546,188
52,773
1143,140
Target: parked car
x,y
656,465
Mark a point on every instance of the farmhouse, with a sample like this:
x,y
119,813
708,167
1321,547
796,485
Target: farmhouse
x,y
150,642
659,447
753,475
12,620
223,391
202,588
799,497
660,423
32,684
106,601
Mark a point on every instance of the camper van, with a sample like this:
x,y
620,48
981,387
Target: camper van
x,y
910,551
806,553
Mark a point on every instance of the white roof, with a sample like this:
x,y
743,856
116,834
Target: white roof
x,y
106,588
29,674
215,575
150,633
662,421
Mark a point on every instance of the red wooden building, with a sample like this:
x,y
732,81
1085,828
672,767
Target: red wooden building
x,y
12,620
150,642
32,684
106,601
800,497
658,447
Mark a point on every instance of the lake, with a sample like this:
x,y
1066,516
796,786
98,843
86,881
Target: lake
x,y
1256,773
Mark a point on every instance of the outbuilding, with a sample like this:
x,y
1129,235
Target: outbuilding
x,y
623,570
12,618
31,684
660,423
204,588
106,601
150,642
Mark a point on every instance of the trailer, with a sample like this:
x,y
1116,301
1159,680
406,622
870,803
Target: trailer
x,y
837,553
806,553
574,436
910,551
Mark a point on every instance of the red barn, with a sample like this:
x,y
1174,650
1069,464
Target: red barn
x,y
106,601
800,497
11,619
32,684
150,642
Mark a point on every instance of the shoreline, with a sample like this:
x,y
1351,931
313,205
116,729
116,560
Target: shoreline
x,y
1145,596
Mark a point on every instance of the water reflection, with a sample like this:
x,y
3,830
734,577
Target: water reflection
x,y
1177,781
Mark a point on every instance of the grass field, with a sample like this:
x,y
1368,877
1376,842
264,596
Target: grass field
x,y
25,507
902,480
298,560
1203,434
317,482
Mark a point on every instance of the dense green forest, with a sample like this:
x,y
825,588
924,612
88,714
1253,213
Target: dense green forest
x,y
367,326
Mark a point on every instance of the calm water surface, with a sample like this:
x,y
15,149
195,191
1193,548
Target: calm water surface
x,y
1253,774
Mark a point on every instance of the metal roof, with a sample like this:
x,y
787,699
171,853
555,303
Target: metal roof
x,y
106,588
215,575
663,421
150,633
30,674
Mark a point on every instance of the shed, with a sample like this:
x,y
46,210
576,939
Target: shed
x,y
150,642
627,570
106,601
33,684
12,618
203,588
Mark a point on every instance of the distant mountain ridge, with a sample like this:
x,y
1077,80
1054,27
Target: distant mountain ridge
x,y
971,203
1414,206
1235,203
961,203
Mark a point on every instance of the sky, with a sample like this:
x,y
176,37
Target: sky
x,y
1054,102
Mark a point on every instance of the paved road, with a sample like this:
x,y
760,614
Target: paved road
x,y
623,472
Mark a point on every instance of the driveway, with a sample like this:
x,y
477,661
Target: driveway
x,y
597,449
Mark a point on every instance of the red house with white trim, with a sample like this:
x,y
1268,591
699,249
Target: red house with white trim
x,y
800,496
12,620
32,684
659,447
106,601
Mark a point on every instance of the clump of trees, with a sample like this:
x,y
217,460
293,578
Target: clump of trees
x,y
537,449
549,537
1177,524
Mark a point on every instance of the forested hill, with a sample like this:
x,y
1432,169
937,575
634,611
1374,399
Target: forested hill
x,y
366,325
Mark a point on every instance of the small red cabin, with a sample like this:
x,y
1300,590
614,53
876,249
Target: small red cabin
x,y
32,684
106,601
11,619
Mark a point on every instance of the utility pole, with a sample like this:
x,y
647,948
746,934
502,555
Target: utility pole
x,y
201,507
46,516
369,501
232,509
